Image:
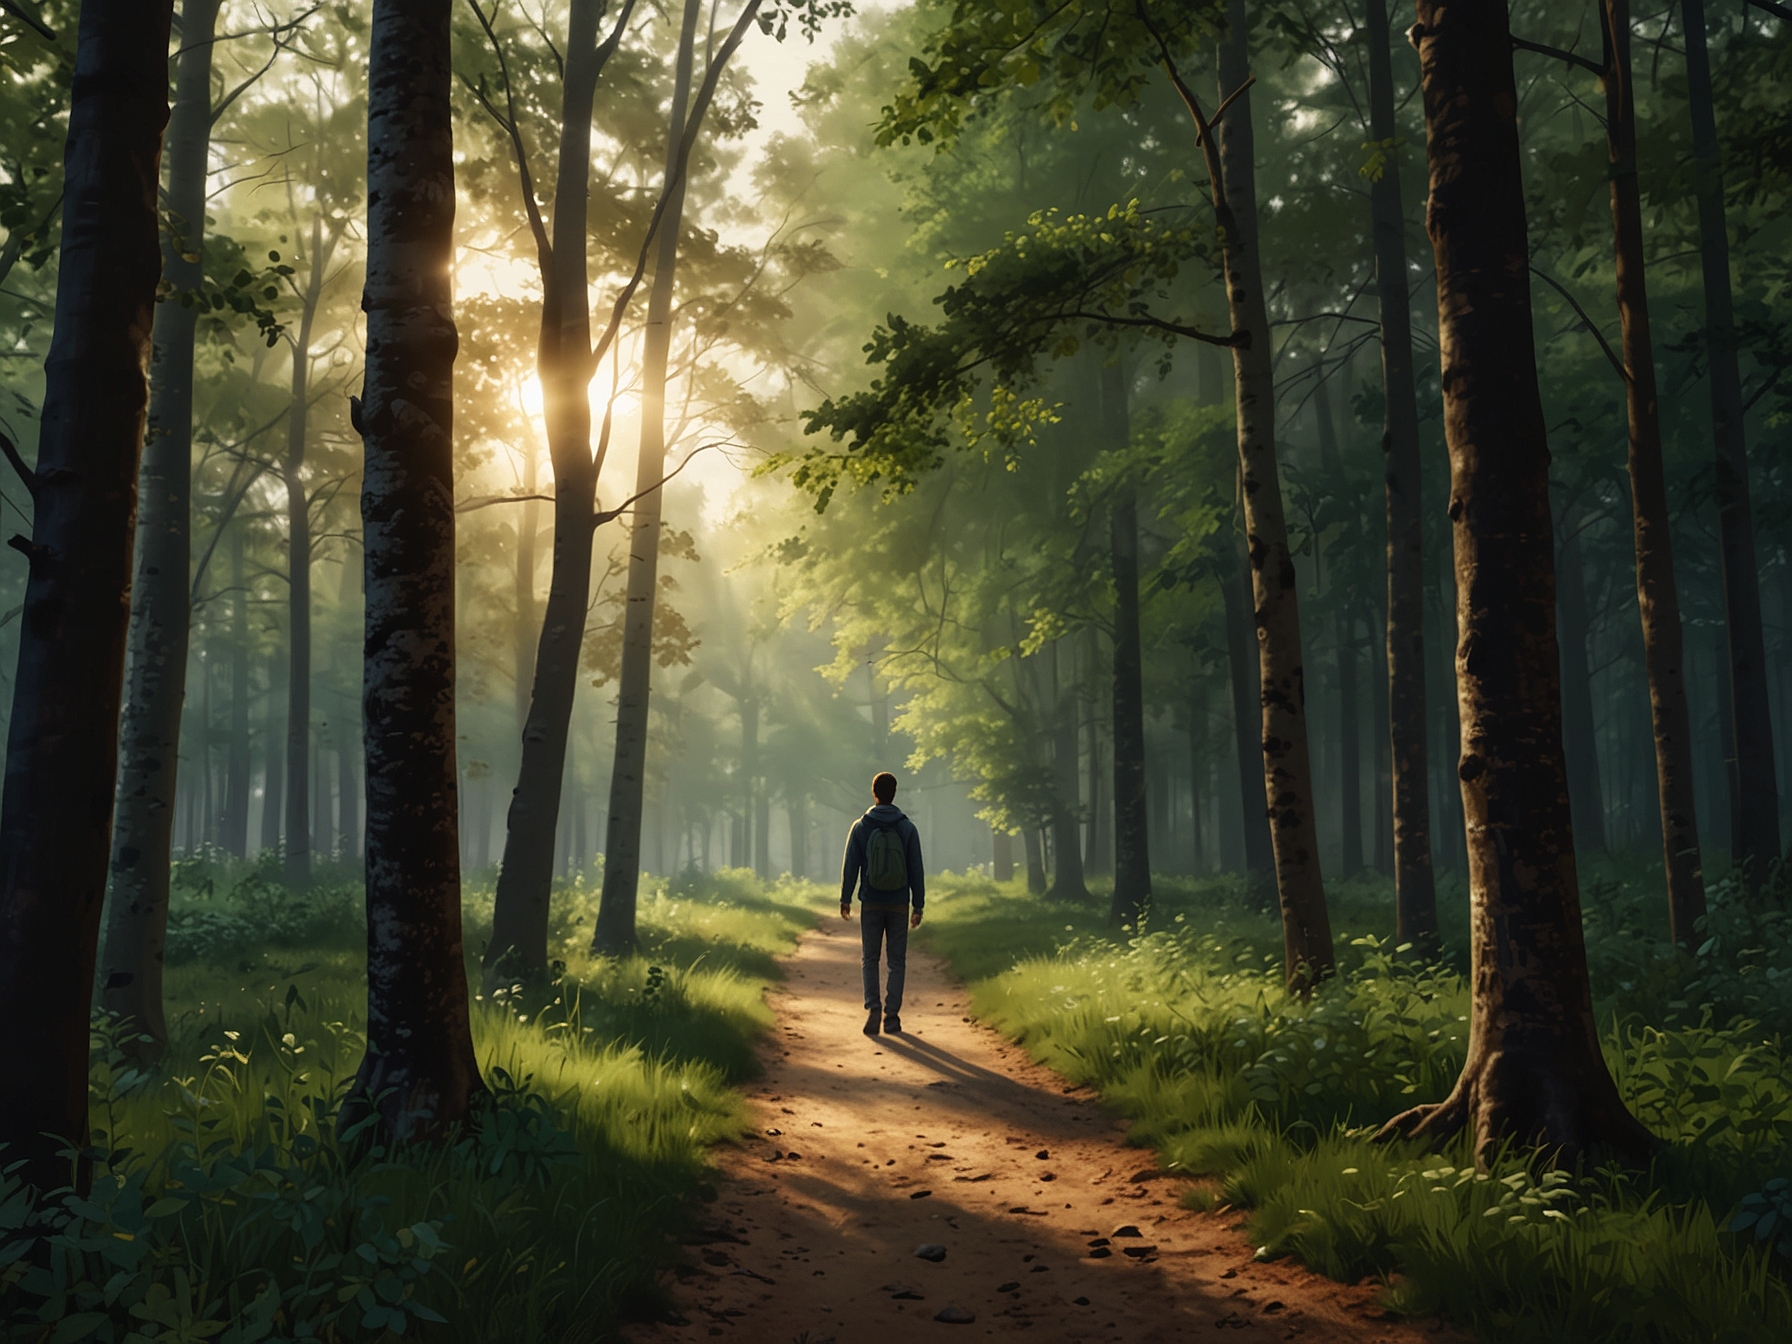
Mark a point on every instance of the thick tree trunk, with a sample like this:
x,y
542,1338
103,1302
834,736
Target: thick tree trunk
x,y
1586,794
1534,1073
1035,846
1657,592
518,946
419,1075
528,626
615,931
1306,924
1068,883
1132,835
1001,866
62,743
1757,819
1245,674
238,764
149,734
1415,889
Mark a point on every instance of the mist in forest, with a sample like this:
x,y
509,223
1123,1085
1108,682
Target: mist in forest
x,y
1297,494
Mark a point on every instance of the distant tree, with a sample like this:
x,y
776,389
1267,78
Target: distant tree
x,y
1534,1072
419,1074
62,743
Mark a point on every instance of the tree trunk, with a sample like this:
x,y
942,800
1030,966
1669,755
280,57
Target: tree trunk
x,y
1035,847
1657,592
1197,767
348,800
1380,760
273,787
797,808
238,765
1415,888
518,947
1306,924
615,931
528,627
1586,794
1757,818
1259,858
1534,1073
149,734
419,1075
1132,834
1350,759
1068,883
1001,866
62,742
298,575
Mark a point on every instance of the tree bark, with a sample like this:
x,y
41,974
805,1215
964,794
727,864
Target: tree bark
x,y
149,733
298,573
1245,674
615,931
1132,825
1586,794
62,743
1001,866
1068,883
528,629
1288,776
1035,846
237,760
419,1075
1757,817
1657,592
518,947
1350,758
1534,1073
1415,887
273,775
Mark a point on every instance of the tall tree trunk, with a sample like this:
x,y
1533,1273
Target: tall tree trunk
x,y
1415,888
1001,866
797,807
1534,1073
1066,822
518,946
1757,819
149,735
1197,767
1657,592
1132,833
62,743
1586,794
1350,758
1288,776
419,1074
528,623
298,573
1245,673
273,786
238,764
615,931
348,800
1035,847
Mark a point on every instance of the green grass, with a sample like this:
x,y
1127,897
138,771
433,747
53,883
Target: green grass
x,y
1185,1029
225,1208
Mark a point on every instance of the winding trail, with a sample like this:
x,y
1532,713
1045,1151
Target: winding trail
x,y
948,1134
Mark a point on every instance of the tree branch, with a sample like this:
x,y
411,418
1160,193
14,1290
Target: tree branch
x,y
486,501
507,121
30,20
283,35
27,476
1781,12
602,516
1586,322
1239,340
1522,44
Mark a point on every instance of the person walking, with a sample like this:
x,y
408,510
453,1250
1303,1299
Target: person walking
x,y
883,861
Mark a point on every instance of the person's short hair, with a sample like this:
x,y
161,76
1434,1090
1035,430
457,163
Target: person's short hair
x,y
883,786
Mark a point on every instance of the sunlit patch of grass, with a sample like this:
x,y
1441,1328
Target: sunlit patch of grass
x,y
1184,1027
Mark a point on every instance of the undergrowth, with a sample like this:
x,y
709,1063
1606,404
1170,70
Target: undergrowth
x,y
224,1206
1184,1028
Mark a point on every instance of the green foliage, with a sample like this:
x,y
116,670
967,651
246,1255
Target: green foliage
x,y
1185,1028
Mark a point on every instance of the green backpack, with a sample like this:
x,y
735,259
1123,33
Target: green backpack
x,y
886,863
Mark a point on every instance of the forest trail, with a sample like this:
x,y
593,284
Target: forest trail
x,y
868,1148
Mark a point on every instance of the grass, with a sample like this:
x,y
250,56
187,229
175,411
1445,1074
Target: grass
x,y
1184,1028
225,1208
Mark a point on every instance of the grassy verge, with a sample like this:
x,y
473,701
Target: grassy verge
x,y
1184,1028
225,1208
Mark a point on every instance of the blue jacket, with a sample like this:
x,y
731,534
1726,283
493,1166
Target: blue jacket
x,y
852,869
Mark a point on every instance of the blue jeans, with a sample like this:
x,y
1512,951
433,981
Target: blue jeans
x,y
885,929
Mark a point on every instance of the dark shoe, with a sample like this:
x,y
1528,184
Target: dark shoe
x,y
893,1024
871,1023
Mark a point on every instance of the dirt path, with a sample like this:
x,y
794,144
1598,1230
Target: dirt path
x,y
947,1134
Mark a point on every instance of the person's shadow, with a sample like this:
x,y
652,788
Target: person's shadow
x,y
992,1095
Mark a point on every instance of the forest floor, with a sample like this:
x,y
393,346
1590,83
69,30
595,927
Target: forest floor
x,y
870,1147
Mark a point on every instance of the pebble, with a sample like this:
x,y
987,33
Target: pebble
x,y
1008,1287
931,1250
955,1316
1130,1230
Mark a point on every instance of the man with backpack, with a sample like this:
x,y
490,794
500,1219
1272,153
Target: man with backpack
x,y
883,860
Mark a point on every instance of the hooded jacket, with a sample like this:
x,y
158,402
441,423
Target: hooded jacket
x,y
852,869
